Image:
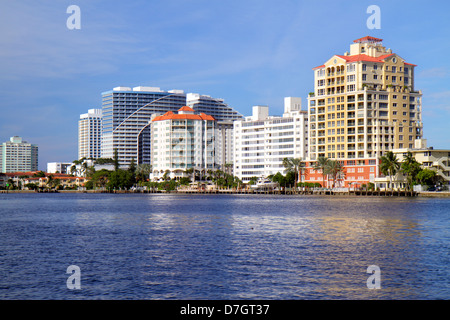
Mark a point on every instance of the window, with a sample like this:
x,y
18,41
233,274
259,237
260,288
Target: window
x,y
394,69
364,77
364,67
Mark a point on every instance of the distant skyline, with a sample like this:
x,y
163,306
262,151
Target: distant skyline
x,y
248,52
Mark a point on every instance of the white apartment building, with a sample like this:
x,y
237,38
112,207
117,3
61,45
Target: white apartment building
x,y
263,141
18,155
90,134
225,116
181,141
59,167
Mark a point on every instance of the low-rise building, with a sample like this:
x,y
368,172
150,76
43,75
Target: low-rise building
x,y
59,167
21,180
437,160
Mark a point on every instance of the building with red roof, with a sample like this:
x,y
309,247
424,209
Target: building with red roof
x,y
364,104
181,141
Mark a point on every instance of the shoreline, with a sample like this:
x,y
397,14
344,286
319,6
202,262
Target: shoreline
x,y
357,193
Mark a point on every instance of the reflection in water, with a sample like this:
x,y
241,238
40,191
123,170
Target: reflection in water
x,y
223,247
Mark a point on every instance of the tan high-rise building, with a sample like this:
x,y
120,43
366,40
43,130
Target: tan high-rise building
x,y
364,104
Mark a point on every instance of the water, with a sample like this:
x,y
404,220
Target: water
x,y
163,246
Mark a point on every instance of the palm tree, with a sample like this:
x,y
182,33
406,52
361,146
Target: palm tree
x,y
166,175
116,160
334,168
143,171
294,165
49,182
389,166
228,167
321,164
190,171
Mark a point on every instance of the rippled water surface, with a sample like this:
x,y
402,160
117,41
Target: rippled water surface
x,y
222,246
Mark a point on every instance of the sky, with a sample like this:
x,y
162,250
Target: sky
x,y
248,52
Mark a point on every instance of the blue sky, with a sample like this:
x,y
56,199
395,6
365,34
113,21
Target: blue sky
x,y
248,52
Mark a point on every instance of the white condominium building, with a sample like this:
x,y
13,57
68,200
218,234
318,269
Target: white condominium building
x,y
59,167
17,155
90,134
263,141
182,141
225,116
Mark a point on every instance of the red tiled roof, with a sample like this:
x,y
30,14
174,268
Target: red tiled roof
x,y
369,39
186,108
364,57
322,66
18,174
171,116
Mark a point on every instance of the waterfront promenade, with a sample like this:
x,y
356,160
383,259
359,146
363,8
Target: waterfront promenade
x,y
287,191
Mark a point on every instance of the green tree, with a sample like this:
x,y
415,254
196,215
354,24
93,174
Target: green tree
x,y
143,171
40,174
132,166
389,166
31,186
334,168
253,180
279,178
100,178
411,168
228,167
120,179
321,164
10,185
185,181
294,165
101,161
190,171
426,176
116,160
